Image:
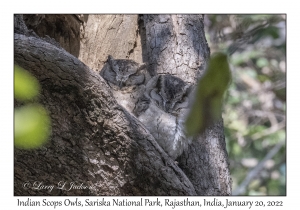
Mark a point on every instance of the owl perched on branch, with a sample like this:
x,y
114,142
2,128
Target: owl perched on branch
x,y
127,79
160,103
163,109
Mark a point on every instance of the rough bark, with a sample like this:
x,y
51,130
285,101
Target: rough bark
x,y
94,141
109,35
65,29
176,45
91,37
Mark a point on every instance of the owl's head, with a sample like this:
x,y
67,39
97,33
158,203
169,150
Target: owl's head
x,y
168,92
123,68
172,89
123,72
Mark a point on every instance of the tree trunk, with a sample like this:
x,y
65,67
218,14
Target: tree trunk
x,y
95,142
176,45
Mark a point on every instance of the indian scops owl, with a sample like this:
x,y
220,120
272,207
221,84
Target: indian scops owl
x,y
162,109
127,79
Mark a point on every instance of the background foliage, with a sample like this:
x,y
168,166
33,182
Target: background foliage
x,y
32,126
255,104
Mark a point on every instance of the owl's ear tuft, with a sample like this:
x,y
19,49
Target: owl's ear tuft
x,y
109,58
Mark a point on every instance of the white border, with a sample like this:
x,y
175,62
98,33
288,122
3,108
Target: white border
x,y
150,6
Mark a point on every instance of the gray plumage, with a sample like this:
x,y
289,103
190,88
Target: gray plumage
x,y
162,109
160,103
124,72
127,79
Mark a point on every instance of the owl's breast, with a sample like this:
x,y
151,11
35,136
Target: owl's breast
x,y
165,128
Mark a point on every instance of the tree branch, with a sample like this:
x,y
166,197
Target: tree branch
x,y
94,141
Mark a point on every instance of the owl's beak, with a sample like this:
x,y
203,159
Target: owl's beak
x,y
167,106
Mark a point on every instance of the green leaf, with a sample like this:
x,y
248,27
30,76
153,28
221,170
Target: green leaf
x,y
207,107
32,126
262,62
26,86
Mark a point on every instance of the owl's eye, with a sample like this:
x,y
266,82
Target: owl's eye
x,y
156,97
178,96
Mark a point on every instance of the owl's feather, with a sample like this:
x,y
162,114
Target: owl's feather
x,y
127,79
160,102
164,112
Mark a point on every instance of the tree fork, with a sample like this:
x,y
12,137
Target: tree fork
x,y
94,141
176,45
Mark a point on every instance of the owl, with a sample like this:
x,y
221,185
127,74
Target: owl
x,y
123,72
163,109
127,79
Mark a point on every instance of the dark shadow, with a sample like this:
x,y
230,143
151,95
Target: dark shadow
x,y
142,32
65,29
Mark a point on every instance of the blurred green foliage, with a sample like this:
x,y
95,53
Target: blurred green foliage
x,y
207,107
32,126
32,122
26,87
255,104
